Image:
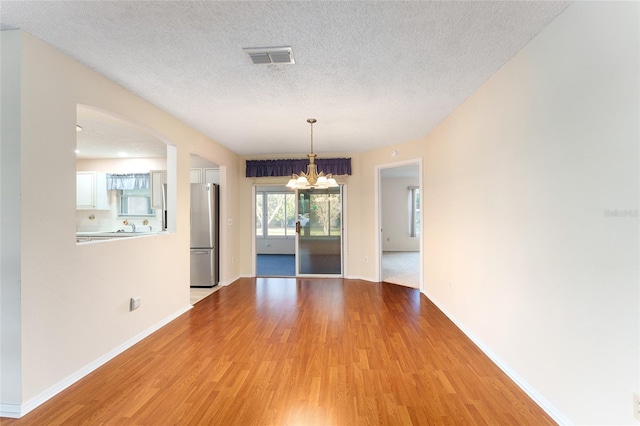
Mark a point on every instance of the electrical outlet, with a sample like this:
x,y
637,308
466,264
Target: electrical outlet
x,y
366,259
134,303
636,406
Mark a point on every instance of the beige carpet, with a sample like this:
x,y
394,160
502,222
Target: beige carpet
x,y
401,267
197,294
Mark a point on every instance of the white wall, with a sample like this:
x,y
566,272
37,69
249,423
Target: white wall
x,y
396,216
199,162
518,184
122,165
276,245
10,222
68,303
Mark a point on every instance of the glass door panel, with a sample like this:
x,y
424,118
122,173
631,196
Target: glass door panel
x,y
275,231
319,248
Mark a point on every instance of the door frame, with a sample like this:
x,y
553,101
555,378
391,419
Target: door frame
x,y
378,215
254,254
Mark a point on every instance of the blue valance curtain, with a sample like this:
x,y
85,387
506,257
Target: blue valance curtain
x,y
128,181
262,168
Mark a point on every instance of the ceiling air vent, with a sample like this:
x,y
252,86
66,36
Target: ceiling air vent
x,y
270,55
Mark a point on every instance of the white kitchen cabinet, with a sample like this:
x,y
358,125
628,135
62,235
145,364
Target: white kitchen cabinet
x,y
195,175
158,178
91,191
211,175
204,175
85,190
102,195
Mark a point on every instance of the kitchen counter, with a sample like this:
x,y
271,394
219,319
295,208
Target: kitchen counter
x,y
84,237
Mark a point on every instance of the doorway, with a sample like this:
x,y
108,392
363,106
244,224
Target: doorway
x,y
298,233
399,219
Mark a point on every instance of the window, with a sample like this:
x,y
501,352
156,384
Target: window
x,y
259,214
275,214
324,209
414,211
135,202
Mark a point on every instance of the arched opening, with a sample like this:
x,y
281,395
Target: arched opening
x,y
121,172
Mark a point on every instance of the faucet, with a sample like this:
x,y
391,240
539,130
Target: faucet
x,y
133,226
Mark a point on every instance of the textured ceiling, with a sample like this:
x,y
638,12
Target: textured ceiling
x,y
107,136
372,73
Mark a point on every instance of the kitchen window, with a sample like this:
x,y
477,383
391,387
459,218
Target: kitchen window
x,y
135,202
134,193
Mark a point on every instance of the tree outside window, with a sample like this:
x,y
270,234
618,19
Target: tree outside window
x,y
275,214
414,220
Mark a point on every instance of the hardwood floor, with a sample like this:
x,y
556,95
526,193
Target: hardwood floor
x,y
280,351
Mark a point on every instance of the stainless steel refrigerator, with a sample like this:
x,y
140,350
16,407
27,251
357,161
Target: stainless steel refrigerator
x,y
204,234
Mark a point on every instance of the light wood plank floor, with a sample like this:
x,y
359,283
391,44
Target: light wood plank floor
x,y
280,351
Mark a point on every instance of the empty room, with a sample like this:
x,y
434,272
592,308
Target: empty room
x,y
319,213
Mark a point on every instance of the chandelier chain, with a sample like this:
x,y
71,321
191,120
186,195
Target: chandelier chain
x,y
311,179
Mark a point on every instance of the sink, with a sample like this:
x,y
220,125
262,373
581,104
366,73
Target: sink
x,y
114,234
139,230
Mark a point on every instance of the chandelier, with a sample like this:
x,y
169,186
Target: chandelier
x,y
312,179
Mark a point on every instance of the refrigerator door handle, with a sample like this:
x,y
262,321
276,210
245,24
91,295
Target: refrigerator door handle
x,y
199,252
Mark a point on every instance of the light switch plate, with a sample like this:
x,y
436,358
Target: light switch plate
x,y
134,303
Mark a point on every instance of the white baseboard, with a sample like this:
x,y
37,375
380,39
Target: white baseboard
x,y
353,277
556,415
16,410
11,411
329,276
231,281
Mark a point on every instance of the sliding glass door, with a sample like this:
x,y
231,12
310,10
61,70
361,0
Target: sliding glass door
x,y
319,232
